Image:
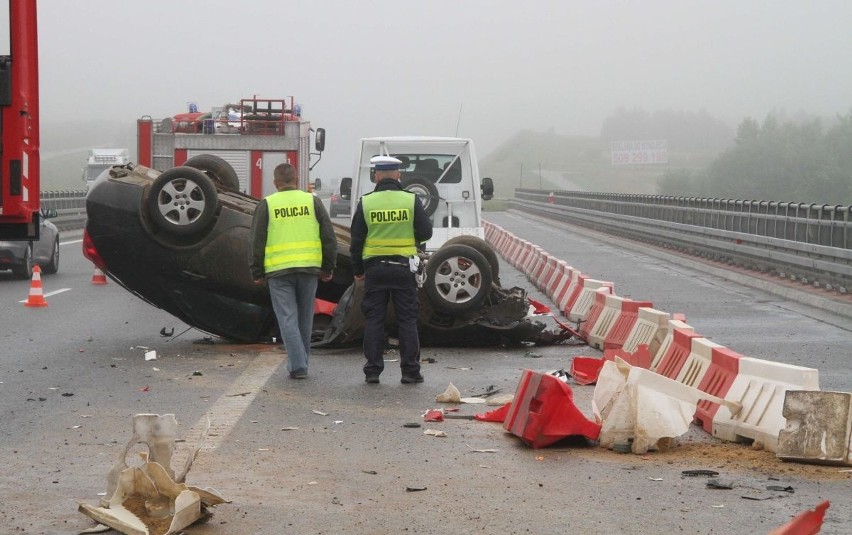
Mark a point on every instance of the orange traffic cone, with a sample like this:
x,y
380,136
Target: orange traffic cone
x,y
36,297
98,277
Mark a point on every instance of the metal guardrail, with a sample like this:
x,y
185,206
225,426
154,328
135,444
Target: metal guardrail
x,y
69,204
808,242
811,243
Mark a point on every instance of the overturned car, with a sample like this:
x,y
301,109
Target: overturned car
x,y
179,240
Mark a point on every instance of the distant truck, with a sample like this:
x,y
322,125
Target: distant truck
x,y
99,160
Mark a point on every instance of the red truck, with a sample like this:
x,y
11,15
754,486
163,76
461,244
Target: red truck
x,y
19,124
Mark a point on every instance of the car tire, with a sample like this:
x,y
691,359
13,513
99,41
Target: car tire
x,y
458,279
217,169
53,266
425,190
182,201
484,249
25,270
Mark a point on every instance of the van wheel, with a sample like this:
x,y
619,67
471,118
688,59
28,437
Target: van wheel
x,y
458,279
484,249
425,190
217,169
182,201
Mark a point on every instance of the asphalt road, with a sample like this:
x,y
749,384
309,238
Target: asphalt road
x,y
73,374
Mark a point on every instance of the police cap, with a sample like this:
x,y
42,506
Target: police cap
x,y
385,163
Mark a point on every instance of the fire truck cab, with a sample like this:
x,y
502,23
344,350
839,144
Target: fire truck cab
x,y
260,135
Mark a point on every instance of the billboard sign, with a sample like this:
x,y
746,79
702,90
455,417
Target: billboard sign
x,y
639,152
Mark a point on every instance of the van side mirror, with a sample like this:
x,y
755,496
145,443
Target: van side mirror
x,y
319,139
346,187
317,184
487,187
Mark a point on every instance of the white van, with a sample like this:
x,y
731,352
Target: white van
x,y
444,174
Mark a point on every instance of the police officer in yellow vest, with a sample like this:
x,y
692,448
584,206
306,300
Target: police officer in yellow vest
x,y
386,227
292,245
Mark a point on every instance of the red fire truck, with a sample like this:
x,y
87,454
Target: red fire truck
x,y
253,136
19,124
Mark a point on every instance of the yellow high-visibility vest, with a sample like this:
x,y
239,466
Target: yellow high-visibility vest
x,y
390,223
293,233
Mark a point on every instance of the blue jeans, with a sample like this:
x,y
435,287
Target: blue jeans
x,y
293,302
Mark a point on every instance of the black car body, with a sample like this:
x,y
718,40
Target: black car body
x,y
21,256
180,240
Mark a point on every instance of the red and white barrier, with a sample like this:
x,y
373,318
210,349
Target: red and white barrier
x,y
586,297
615,322
675,348
591,319
760,387
546,272
650,329
568,290
561,275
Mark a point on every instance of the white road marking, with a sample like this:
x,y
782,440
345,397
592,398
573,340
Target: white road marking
x,y
231,406
50,293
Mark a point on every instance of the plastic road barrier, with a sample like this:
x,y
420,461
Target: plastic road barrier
x,y
615,321
642,408
760,387
649,329
586,297
543,412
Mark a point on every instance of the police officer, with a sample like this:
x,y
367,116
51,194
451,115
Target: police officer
x,y
292,245
386,227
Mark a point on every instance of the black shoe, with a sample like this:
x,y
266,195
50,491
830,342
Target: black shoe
x,y
372,379
409,378
301,374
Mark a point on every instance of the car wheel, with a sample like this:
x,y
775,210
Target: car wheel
x,y
53,266
425,191
25,270
182,201
484,249
217,169
458,279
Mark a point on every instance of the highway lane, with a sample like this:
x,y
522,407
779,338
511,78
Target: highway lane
x,y
347,471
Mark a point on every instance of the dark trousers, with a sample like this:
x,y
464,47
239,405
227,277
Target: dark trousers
x,y
395,282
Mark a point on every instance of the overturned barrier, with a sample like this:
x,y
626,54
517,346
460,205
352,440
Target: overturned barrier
x,y
543,412
643,409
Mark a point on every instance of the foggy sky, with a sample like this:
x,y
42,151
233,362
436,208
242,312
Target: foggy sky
x,y
479,69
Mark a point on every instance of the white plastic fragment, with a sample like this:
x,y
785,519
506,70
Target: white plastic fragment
x,y
435,433
320,413
638,405
151,355
152,484
450,395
